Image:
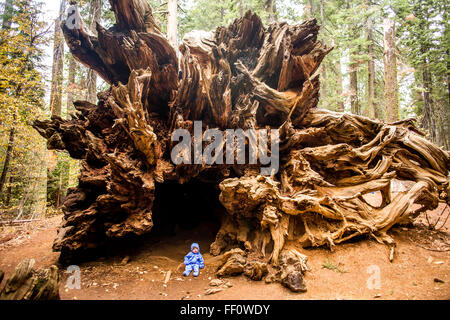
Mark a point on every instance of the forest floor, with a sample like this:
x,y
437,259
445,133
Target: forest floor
x,y
420,270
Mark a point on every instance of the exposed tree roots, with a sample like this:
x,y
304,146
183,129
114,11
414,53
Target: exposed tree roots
x,y
242,76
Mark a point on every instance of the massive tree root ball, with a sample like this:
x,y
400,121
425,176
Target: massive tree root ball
x,y
244,76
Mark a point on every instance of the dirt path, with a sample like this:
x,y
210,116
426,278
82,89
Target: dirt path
x,y
348,269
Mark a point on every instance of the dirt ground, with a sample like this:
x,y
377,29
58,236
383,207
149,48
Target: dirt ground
x,y
420,270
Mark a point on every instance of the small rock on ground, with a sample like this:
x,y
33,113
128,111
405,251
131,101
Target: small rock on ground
x,y
213,291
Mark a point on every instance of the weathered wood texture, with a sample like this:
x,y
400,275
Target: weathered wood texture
x,y
241,76
28,284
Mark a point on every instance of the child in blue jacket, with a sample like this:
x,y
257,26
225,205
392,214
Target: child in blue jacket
x,y
193,261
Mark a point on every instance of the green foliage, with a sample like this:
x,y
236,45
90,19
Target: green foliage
x,y
424,41
208,15
22,90
331,266
58,180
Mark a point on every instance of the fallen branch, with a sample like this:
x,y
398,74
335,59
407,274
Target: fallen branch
x,y
12,222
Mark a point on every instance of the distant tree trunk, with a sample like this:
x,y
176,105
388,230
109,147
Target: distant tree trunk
x,y
390,71
9,152
310,10
65,173
7,14
172,23
442,122
323,81
371,72
71,83
9,191
241,8
354,101
222,13
341,107
311,13
448,80
271,10
57,77
446,119
58,64
129,175
428,121
6,24
95,16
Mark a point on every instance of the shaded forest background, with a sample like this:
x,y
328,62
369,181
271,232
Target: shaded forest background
x,y
390,62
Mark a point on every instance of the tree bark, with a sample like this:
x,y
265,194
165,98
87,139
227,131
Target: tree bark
x,y
309,9
71,90
323,68
7,14
341,106
172,23
428,121
91,79
390,72
371,71
28,284
9,192
355,107
241,8
9,151
57,82
71,86
354,100
58,64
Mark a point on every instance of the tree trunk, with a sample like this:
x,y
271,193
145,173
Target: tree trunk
x,y
71,86
57,78
9,151
244,76
271,10
57,81
354,100
28,284
309,9
371,72
241,8
9,192
323,68
58,64
340,88
71,90
390,71
428,121
91,79
7,14
355,107
172,23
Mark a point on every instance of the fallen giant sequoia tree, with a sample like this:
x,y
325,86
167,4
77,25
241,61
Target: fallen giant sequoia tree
x,y
244,76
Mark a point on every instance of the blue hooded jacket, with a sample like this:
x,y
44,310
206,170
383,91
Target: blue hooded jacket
x,y
194,258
